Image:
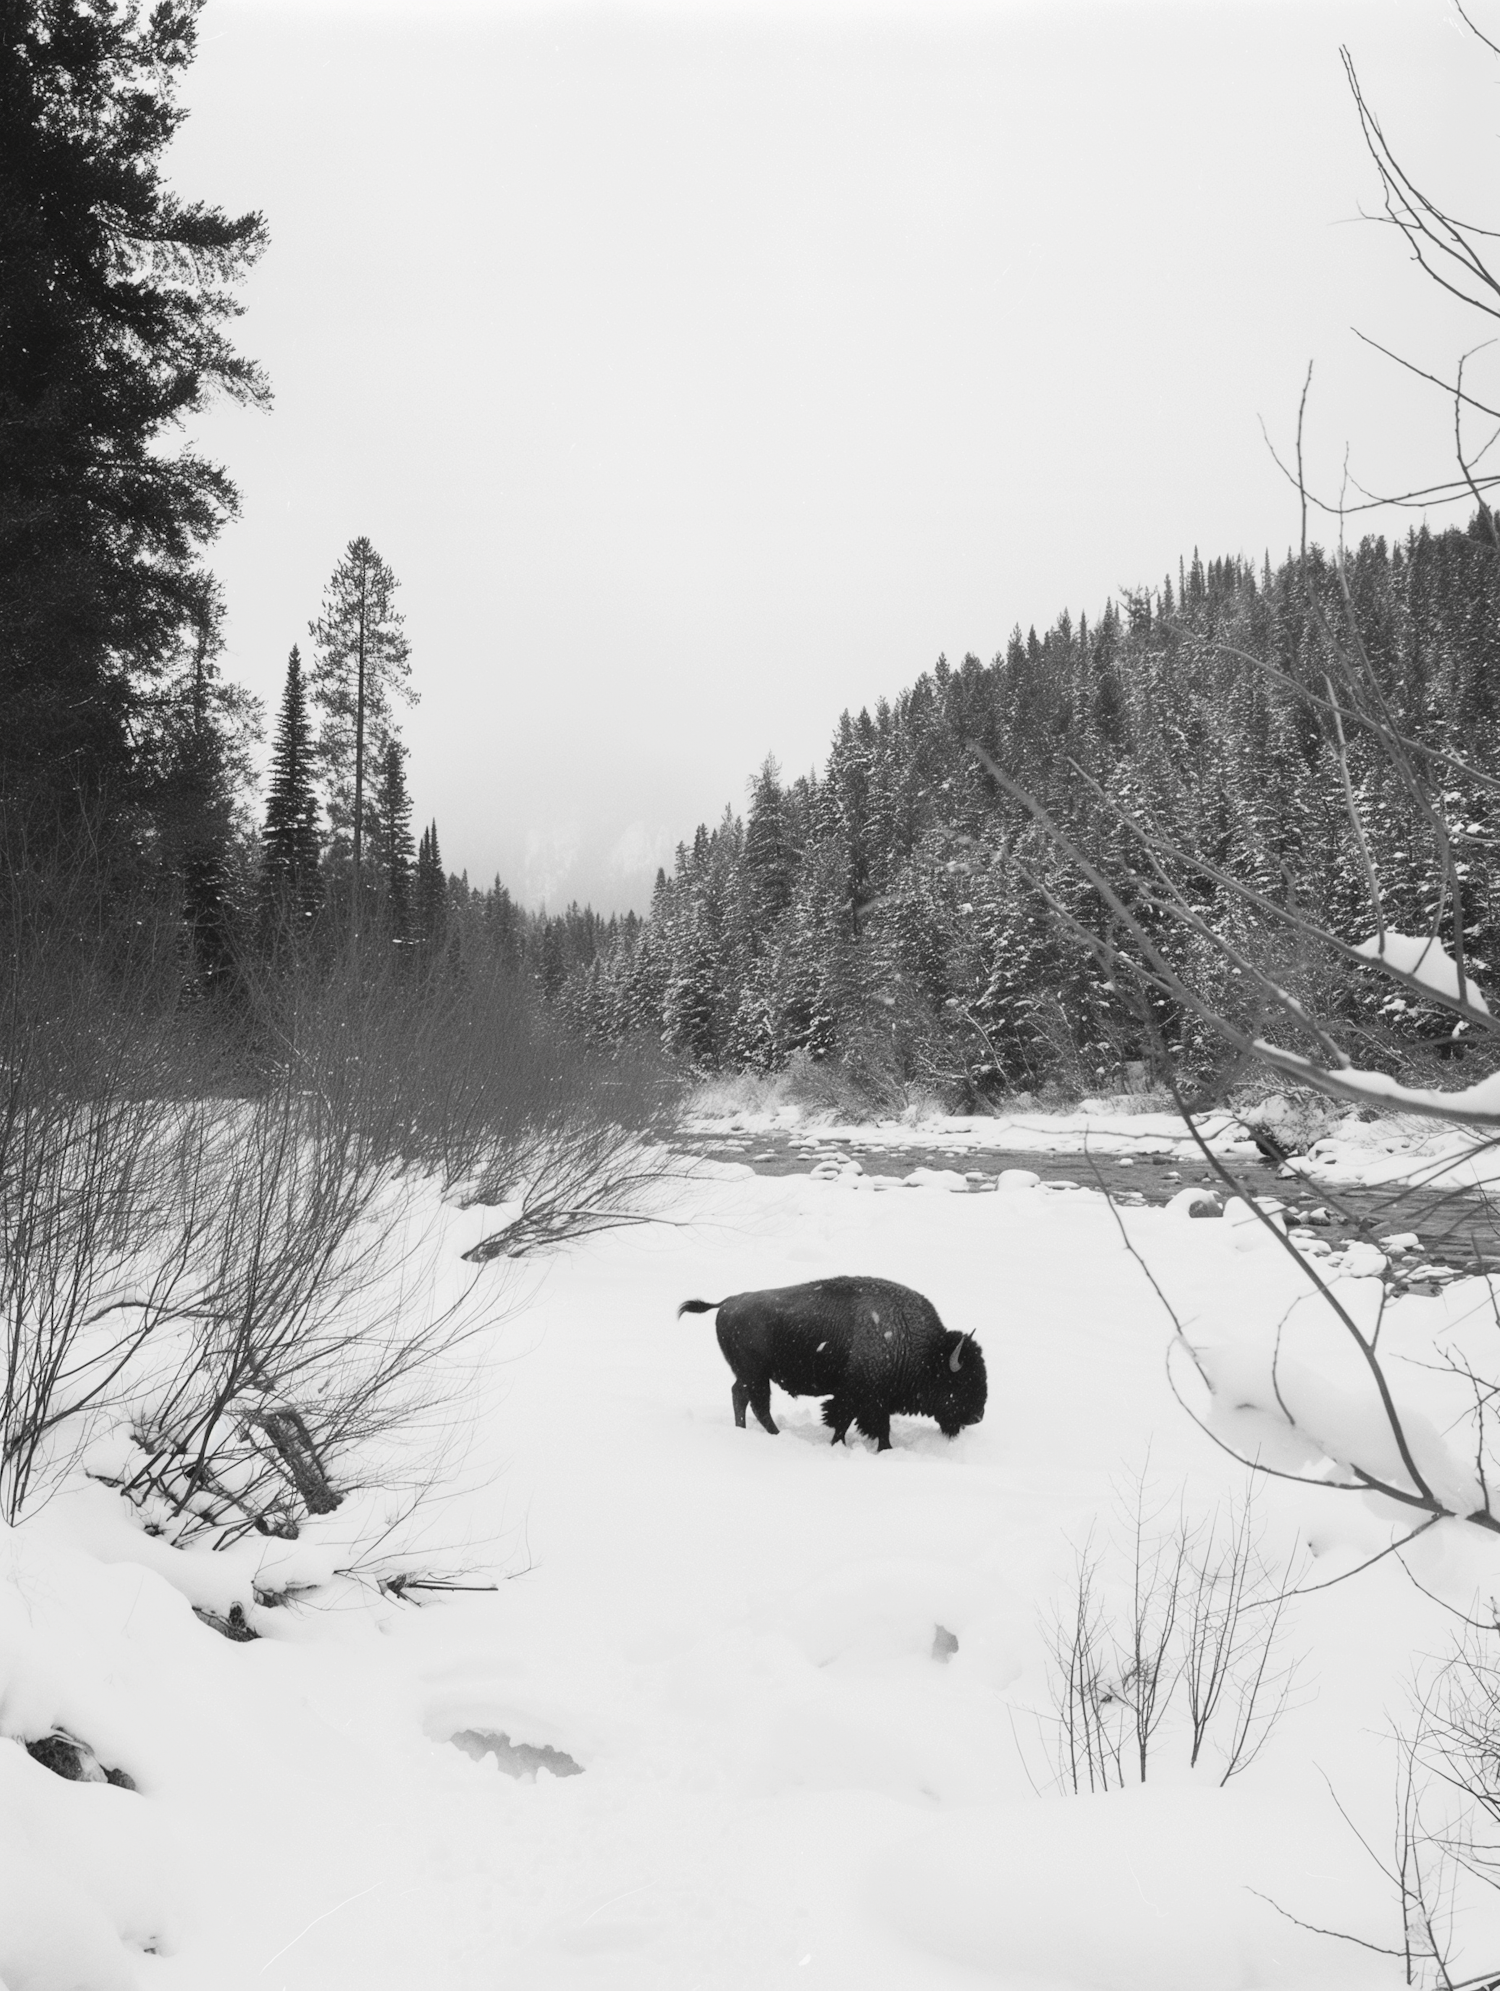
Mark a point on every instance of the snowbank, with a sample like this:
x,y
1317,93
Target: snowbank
x,y
1400,1149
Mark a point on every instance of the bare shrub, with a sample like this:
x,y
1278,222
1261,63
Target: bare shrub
x,y
1149,1098
827,1088
310,1328
479,1073
225,1230
1445,1823
462,1075
1198,1619
730,1093
90,1047
1151,1672
820,1088
315,1331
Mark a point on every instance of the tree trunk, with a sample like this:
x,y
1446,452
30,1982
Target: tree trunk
x,y
293,1444
359,743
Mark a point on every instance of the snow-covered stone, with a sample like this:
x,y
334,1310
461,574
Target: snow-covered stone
x,y
1362,1261
1195,1203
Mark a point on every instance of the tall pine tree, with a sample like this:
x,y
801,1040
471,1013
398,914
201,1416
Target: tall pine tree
x,y
391,845
291,886
362,665
769,864
432,890
113,300
193,802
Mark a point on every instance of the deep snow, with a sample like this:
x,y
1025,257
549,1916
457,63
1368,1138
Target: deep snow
x,y
734,1636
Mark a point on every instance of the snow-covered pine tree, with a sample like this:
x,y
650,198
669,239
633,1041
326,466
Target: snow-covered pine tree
x,y
844,823
644,1005
503,922
431,908
291,884
391,849
200,724
769,862
697,1003
362,665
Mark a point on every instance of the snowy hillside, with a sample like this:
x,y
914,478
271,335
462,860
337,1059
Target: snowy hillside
x,y
788,1776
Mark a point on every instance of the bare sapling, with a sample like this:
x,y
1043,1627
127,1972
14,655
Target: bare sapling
x,y
1089,1725
1425,1883
1234,1679
1423,1878
1442,1854
1150,1677
1448,1809
1198,1626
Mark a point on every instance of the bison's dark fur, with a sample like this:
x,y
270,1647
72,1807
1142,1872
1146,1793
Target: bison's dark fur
x,y
873,1348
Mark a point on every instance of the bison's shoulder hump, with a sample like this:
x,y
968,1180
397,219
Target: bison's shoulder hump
x,y
857,1288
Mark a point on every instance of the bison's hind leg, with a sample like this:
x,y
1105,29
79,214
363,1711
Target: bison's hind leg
x,y
838,1417
739,1396
760,1403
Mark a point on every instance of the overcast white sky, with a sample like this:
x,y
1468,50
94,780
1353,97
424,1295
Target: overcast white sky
x,y
704,371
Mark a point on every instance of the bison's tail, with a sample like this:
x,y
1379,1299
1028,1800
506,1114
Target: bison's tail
x,y
698,1307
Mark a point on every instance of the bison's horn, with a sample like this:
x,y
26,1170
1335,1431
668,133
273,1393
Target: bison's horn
x,y
954,1358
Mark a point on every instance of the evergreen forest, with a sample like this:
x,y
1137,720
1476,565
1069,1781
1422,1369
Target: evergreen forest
x,y
894,916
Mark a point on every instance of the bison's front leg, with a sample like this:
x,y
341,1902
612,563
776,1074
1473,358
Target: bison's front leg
x,y
838,1417
876,1424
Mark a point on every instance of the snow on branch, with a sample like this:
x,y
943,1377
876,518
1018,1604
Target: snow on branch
x,y
1422,960
1472,1106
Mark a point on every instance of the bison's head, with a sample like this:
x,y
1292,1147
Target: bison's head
x,y
959,1387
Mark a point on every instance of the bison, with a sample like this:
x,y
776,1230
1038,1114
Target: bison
x,y
873,1348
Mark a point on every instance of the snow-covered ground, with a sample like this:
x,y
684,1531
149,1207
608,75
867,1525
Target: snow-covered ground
x,y
784,1781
